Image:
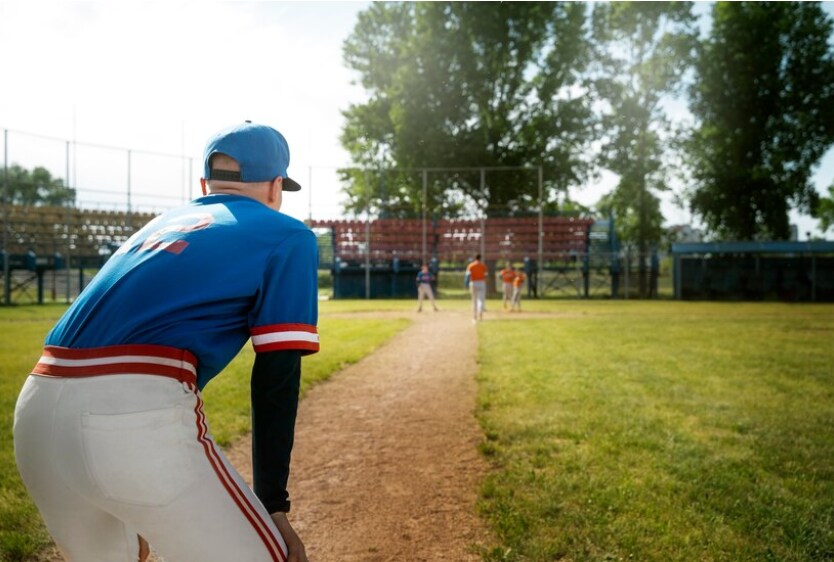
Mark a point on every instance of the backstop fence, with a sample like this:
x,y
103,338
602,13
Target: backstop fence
x,y
380,257
50,252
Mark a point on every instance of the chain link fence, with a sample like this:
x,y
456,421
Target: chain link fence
x,y
50,254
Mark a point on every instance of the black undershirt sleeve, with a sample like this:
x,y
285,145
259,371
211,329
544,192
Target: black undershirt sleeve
x,y
276,377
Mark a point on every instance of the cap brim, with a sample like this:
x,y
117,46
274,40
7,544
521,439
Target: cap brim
x,y
290,185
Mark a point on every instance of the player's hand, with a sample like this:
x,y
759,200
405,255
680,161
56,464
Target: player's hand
x,y
144,549
295,548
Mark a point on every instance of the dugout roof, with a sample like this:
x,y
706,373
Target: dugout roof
x,y
779,247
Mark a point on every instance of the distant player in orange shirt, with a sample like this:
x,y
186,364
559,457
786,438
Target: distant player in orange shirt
x,y
477,272
518,283
507,277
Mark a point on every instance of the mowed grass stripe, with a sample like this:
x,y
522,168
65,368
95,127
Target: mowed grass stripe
x,y
660,431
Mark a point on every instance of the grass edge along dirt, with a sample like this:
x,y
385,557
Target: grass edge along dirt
x,y
22,329
659,432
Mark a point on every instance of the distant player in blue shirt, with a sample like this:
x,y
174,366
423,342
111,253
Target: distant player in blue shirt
x,y
424,290
110,435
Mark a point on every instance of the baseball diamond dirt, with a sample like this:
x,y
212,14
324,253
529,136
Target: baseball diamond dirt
x,y
385,466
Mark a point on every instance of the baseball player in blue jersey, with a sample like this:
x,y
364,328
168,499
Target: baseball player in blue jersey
x,y
109,431
424,291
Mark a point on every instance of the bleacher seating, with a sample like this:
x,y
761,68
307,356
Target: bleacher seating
x,y
67,230
456,241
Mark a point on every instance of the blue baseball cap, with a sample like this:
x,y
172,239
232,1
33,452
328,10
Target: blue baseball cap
x,y
261,151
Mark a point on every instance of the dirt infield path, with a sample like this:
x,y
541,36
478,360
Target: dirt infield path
x,y
385,466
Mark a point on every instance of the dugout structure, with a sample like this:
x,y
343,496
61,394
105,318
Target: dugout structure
x,y
752,271
380,258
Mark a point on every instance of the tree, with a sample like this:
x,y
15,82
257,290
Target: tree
x,y
36,187
824,210
467,85
644,50
764,101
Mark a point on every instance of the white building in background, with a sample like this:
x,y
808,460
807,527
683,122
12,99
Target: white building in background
x,y
685,233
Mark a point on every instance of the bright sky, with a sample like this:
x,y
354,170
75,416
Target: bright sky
x,y
164,76
161,77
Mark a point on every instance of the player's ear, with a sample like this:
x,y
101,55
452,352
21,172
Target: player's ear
x,y
275,188
203,186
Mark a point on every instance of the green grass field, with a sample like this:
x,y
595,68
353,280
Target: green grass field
x,y
644,431
660,431
21,338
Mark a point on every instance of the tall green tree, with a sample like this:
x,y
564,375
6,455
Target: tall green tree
x,y
467,85
34,187
644,52
764,101
824,210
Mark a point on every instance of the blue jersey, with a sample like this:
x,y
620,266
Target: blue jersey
x,y
205,277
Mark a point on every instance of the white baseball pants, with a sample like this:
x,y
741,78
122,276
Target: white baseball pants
x,y
516,299
424,292
107,457
477,290
507,294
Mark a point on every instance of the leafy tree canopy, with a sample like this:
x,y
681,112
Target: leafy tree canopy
x,y
825,210
36,187
643,50
467,85
764,100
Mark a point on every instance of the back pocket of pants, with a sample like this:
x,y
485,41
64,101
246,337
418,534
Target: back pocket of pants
x,y
139,458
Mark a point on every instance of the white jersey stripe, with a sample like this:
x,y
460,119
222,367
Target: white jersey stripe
x,y
150,360
275,337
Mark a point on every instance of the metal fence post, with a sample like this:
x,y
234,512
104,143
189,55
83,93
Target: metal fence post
x,y
425,212
7,289
128,191
68,250
540,263
483,213
367,236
